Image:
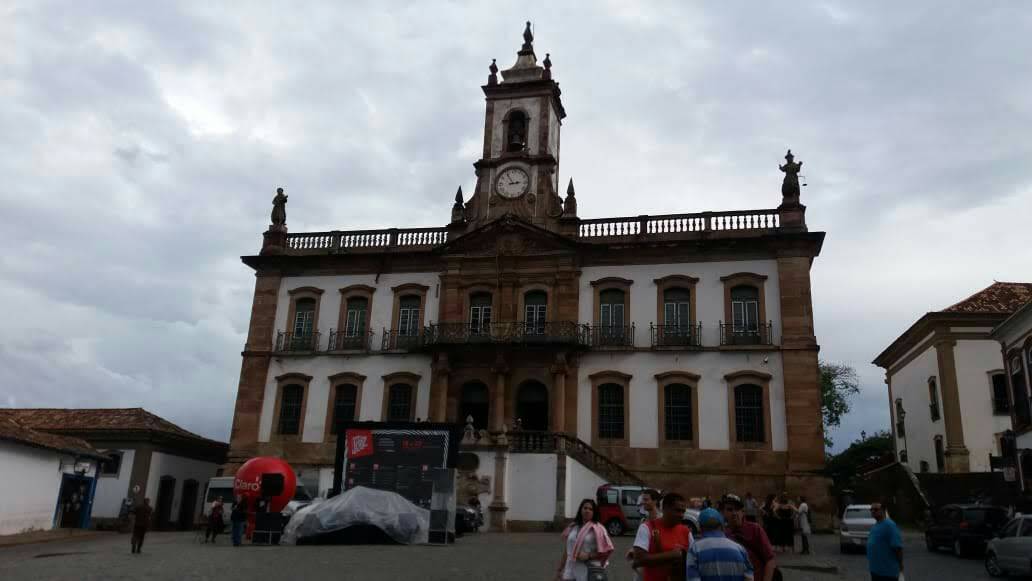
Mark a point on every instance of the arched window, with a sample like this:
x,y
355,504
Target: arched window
x,y
291,398
933,399
745,310
516,131
399,403
677,411
940,455
535,311
749,413
480,314
610,411
1001,401
345,403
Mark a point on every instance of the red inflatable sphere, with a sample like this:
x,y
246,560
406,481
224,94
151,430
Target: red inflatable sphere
x,y
248,481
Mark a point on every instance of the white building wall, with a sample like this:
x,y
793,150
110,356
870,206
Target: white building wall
x,y
321,367
709,293
383,300
581,483
486,468
974,361
181,469
530,487
29,488
112,490
911,384
712,366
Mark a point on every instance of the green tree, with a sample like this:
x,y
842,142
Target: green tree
x,y
838,385
843,467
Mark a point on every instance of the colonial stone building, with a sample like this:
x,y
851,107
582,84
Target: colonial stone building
x,y
678,347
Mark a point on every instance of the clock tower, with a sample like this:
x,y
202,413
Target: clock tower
x,y
518,173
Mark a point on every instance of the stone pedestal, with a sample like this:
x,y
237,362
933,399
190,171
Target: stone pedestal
x,y
498,507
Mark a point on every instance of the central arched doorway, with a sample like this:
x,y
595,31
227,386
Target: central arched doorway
x,y
532,405
474,402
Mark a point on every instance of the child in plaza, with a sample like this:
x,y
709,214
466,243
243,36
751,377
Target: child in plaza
x,y
714,557
586,546
661,544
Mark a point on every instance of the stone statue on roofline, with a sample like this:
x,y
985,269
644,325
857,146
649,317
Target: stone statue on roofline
x,y
790,187
279,211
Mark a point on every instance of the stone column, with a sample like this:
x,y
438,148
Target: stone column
x,y
498,507
957,454
243,439
559,394
498,400
439,394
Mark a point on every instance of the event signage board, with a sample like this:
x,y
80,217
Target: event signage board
x,y
403,457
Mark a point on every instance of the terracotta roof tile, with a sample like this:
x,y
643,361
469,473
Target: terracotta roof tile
x,y
12,430
84,420
999,297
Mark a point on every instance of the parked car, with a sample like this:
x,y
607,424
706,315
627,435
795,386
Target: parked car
x,y
965,528
856,525
222,487
1010,553
618,509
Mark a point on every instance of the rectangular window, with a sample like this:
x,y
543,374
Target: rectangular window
x,y
746,315
399,403
408,321
344,403
677,412
535,318
479,320
610,412
940,455
1001,403
290,410
111,465
356,322
933,400
749,414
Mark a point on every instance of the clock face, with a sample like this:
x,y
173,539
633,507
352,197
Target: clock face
x,y
512,183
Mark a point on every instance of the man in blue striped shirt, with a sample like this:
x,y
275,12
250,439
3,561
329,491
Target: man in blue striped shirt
x,y
714,557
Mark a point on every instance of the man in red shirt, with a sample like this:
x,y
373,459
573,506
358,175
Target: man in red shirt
x,y
661,544
751,536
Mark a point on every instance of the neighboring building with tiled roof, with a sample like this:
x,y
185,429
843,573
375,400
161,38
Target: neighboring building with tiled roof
x,y
944,363
147,456
13,431
1015,338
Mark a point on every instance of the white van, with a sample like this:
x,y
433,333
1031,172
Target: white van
x,y
222,487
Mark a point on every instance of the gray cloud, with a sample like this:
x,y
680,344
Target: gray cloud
x,y
142,144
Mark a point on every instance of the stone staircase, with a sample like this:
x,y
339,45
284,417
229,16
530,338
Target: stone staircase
x,y
561,443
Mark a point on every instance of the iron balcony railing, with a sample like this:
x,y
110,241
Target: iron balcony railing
x,y
342,341
516,332
737,335
401,340
287,342
600,336
677,335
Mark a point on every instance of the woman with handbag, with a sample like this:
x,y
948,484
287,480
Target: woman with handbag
x,y
586,547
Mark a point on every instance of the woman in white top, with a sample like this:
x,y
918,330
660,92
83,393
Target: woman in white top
x,y
586,546
804,524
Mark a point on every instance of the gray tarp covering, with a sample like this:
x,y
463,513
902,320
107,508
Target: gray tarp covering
x,y
388,511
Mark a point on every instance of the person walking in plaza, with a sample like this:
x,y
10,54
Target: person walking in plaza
x,y
803,516
648,508
769,522
784,518
143,513
884,547
714,557
752,508
586,546
751,536
215,520
238,520
661,544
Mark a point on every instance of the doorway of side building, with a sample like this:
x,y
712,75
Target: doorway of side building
x,y
474,403
187,504
75,501
163,507
532,406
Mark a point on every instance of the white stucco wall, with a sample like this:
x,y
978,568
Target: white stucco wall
x,y
181,469
486,468
29,488
712,366
709,293
321,367
530,487
112,490
974,361
383,300
581,483
911,384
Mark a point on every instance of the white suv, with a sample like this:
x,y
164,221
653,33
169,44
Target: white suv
x,y
856,525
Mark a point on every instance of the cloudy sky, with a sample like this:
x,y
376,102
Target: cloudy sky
x,y
141,143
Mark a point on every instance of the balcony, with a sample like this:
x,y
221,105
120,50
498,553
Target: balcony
x,y
676,336
290,343
341,341
610,336
760,335
513,333
401,340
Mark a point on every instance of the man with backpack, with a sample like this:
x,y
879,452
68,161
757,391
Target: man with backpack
x,y
661,544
